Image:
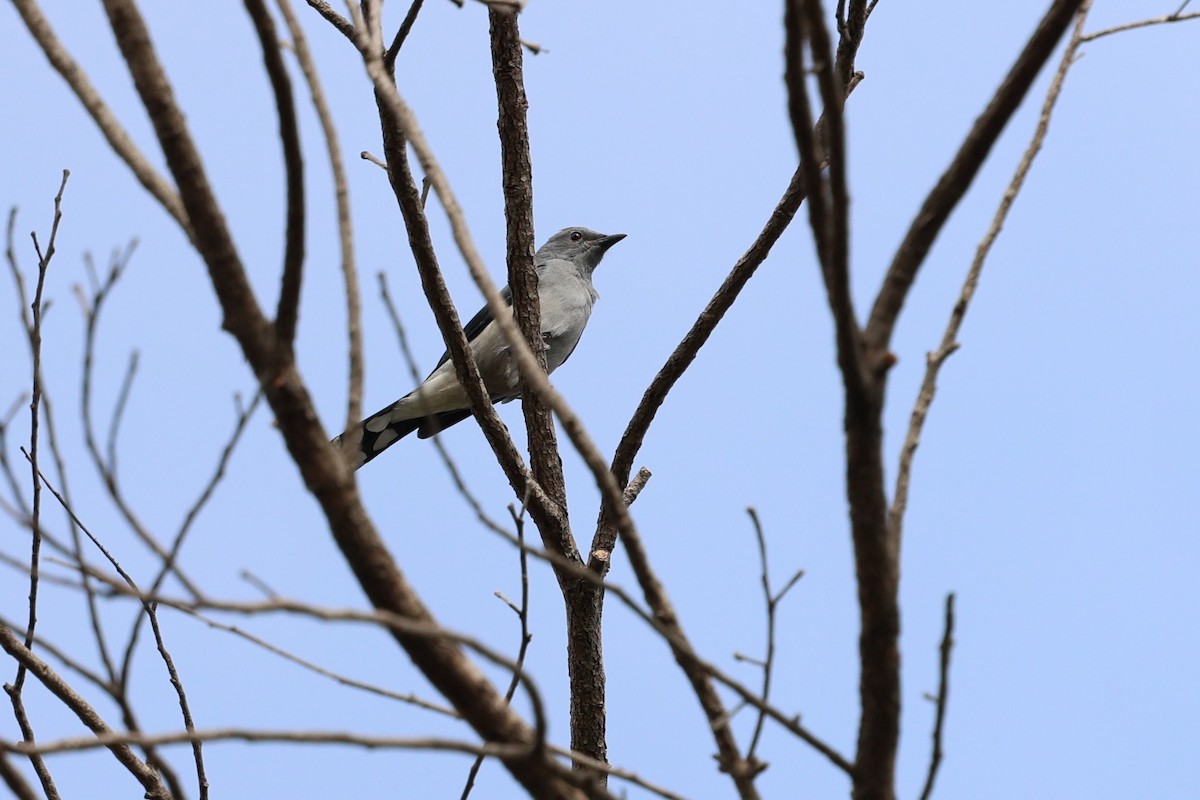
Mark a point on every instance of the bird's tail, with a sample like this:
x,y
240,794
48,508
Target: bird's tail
x,y
375,442
379,436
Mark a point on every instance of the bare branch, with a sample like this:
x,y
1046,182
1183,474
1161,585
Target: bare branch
x,y
949,343
92,307
33,331
118,138
14,780
321,466
517,183
335,19
412,207
144,774
1178,16
522,612
118,414
151,613
772,601
293,162
827,199
507,752
389,58
345,230
957,179
111,739
343,680
460,483
685,353
943,695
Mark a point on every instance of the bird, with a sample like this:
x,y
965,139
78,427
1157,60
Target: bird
x,y
564,267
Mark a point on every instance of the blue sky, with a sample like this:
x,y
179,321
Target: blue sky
x,y
1054,487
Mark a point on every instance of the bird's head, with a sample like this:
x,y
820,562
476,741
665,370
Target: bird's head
x,y
581,246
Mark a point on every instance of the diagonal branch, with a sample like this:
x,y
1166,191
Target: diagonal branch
x,y
687,350
584,601
118,138
400,126
954,183
393,51
293,161
33,330
86,714
828,203
321,466
14,780
345,229
517,183
340,23
697,336
408,197
949,343
151,613
1178,16
943,695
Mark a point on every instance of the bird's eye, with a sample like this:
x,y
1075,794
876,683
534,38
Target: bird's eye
x,y
576,236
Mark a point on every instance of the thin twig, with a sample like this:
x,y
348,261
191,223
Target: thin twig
x,y
18,508
1178,16
522,612
340,23
86,714
15,781
685,653
343,680
772,601
957,178
22,566
288,309
92,307
374,159
460,483
118,138
33,326
949,343
193,513
687,350
386,619
118,414
164,654
389,58
345,228
35,398
943,695
113,739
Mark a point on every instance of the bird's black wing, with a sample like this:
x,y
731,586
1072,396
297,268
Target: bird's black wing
x,y
481,320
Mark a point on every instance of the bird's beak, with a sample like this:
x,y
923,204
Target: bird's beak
x,y
609,241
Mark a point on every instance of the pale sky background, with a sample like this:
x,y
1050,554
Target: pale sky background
x,y
1054,491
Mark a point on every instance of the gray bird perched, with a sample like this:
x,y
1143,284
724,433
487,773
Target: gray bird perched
x,y
564,266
